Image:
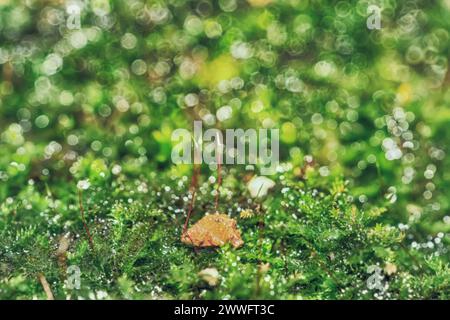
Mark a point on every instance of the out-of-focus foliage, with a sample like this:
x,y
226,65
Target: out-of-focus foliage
x,y
358,109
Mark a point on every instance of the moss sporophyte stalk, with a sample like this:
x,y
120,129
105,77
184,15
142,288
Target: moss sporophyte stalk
x,y
224,150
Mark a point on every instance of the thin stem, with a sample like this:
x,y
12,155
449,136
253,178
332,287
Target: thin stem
x,y
80,199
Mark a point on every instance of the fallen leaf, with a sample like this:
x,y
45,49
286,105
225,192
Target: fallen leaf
x,y
213,230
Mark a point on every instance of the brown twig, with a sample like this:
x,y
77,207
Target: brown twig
x,y
80,199
46,286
